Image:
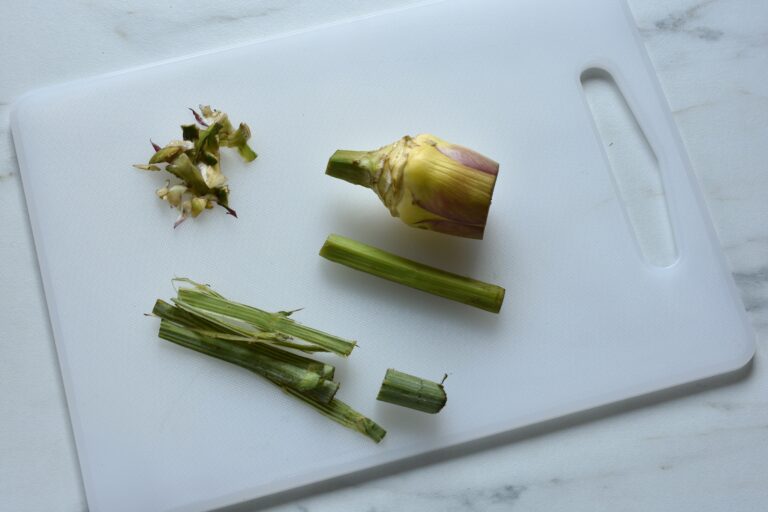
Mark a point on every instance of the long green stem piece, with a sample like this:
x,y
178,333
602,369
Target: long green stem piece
x,y
407,272
413,392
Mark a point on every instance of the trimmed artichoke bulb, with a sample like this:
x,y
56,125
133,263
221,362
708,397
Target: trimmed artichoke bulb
x,y
425,181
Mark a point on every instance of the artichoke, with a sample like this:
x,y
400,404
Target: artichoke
x,y
427,182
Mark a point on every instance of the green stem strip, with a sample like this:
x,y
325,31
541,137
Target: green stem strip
x,y
178,316
345,415
391,267
263,320
279,372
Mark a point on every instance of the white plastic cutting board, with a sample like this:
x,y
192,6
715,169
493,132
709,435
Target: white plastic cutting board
x,y
586,321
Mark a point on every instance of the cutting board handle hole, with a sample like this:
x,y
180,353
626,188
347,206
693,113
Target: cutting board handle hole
x,y
634,167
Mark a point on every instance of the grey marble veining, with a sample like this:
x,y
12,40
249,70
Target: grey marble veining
x,y
754,290
688,22
704,451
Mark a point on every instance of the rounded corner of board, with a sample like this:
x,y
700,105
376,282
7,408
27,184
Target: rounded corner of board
x,y
742,360
746,356
23,102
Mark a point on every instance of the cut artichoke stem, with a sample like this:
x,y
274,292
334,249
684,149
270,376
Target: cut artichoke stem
x,y
412,392
427,182
377,262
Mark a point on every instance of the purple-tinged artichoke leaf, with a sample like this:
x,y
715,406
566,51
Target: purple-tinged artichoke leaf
x,y
468,157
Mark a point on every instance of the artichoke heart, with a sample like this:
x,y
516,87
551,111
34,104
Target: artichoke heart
x,y
427,182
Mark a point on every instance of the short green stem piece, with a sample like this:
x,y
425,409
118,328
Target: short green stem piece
x,y
413,392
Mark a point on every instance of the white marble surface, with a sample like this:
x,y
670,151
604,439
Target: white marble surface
x,y
701,451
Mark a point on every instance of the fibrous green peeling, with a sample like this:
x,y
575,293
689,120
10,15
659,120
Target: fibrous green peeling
x,y
203,320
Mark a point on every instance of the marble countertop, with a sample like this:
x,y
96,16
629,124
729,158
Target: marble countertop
x,y
704,449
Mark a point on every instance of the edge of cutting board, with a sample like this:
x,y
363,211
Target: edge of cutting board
x,y
277,492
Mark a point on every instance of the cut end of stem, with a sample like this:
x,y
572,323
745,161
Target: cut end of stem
x,y
348,166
